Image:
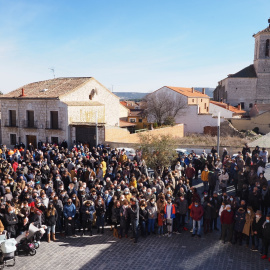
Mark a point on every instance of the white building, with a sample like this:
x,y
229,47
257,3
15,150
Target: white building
x,y
252,84
195,116
59,109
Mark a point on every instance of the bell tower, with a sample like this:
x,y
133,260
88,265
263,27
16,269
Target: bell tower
x,y
262,50
262,65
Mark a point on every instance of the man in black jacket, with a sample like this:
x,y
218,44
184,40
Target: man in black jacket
x,y
257,230
133,212
266,236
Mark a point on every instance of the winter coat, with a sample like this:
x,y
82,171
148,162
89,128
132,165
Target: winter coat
x,y
266,230
247,230
69,210
160,205
133,211
89,215
152,211
240,219
116,214
204,176
11,222
223,179
100,210
226,217
207,210
258,226
182,206
172,211
190,172
212,179
51,220
196,212
143,215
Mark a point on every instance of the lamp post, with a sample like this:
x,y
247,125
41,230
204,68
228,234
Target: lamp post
x,y
218,133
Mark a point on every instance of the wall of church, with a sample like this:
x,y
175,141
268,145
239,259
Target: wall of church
x,y
241,90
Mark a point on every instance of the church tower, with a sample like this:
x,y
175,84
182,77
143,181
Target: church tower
x,y
262,64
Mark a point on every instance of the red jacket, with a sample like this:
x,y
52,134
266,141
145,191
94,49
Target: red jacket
x,y
227,217
196,212
190,172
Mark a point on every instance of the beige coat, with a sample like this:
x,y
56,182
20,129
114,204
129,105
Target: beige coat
x,y
247,230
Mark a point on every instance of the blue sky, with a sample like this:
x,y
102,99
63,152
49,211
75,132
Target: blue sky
x,y
133,45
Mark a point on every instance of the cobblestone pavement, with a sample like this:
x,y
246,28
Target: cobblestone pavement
x,y
178,252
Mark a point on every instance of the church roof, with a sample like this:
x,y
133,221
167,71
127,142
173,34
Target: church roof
x,y
247,72
266,30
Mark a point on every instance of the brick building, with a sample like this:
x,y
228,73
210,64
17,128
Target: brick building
x,y
252,84
59,109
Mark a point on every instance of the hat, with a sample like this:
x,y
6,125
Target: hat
x,y
258,212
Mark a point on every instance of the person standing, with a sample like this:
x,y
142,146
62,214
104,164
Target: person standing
x,y
227,219
133,212
69,215
169,215
196,214
266,237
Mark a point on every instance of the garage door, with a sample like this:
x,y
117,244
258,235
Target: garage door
x,y
86,135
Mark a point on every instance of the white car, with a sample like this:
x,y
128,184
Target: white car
x,y
130,152
184,152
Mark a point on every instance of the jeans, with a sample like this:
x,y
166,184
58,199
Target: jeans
x,y
143,228
205,185
258,243
135,225
100,221
71,223
160,230
51,229
194,227
151,225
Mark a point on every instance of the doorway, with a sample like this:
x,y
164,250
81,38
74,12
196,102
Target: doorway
x,y
31,139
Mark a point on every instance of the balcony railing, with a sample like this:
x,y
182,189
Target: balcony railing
x,y
29,124
9,123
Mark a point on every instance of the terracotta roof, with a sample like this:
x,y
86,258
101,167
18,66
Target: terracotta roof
x,y
266,30
188,92
83,103
247,72
126,124
225,106
48,89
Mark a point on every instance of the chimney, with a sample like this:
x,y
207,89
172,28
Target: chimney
x,y
192,89
203,91
22,95
239,106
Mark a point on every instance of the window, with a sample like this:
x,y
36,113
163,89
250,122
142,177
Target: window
x,y
30,119
54,140
267,45
242,105
201,99
250,105
140,120
54,120
193,100
12,139
205,106
132,120
12,118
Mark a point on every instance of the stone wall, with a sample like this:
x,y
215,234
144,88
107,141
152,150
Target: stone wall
x,y
118,135
104,96
42,109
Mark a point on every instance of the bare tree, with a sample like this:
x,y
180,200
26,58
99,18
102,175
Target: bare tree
x,y
160,106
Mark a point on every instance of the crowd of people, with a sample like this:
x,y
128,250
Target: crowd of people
x,y
80,190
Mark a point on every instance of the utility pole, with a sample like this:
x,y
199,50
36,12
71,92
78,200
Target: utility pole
x,y
218,133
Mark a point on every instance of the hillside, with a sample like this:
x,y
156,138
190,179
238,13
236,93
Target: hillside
x,y
137,95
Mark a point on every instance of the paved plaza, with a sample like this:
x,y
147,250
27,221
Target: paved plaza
x,y
178,252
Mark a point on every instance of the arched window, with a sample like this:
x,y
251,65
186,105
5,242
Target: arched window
x,y
267,48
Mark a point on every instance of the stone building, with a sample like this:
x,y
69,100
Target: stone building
x,y
59,109
252,84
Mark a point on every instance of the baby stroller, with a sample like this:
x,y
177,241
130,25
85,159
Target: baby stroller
x,y
7,251
26,241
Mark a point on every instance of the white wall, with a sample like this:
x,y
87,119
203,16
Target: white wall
x,y
215,109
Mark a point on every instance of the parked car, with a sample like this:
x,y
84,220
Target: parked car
x,y
182,152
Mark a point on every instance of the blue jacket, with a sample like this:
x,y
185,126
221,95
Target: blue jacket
x,y
69,210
